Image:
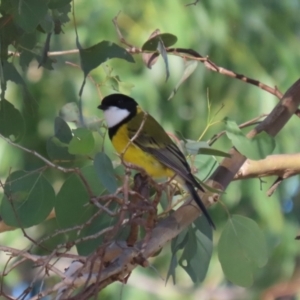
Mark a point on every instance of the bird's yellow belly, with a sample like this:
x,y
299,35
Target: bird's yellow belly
x,y
138,157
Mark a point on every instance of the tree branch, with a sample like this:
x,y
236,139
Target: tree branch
x,y
281,165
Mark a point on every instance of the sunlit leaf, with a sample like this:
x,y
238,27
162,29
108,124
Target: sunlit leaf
x,y
214,152
257,148
82,142
70,112
242,250
194,148
189,68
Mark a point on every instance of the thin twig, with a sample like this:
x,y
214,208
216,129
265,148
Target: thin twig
x,y
36,154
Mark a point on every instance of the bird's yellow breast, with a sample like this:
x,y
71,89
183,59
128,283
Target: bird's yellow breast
x,y
137,156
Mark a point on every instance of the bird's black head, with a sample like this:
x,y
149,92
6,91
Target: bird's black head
x,y
118,100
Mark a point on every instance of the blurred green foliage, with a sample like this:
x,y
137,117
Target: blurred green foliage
x,y
258,38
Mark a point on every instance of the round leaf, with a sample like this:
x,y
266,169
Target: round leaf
x,y
167,39
82,142
105,171
29,199
242,249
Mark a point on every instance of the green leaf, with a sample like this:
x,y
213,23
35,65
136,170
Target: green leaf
x,y
189,68
242,249
46,232
11,121
105,171
54,4
62,130
179,241
176,244
32,197
8,30
162,50
152,44
198,245
213,152
94,56
91,177
194,148
205,165
82,142
58,151
73,196
172,268
11,73
47,23
93,123
28,13
24,46
57,146
257,148
204,227
70,113
60,14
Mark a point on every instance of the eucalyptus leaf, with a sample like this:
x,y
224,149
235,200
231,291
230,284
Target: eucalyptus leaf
x,y
162,50
257,148
70,112
168,40
242,250
189,68
26,17
94,56
82,142
11,121
198,246
105,171
73,197
29,199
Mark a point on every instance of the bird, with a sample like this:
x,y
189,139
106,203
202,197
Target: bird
x,y
142,141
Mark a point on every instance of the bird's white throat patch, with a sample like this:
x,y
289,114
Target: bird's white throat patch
x,y
114,115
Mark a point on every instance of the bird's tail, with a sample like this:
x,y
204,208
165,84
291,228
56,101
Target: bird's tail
x,y
198,200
